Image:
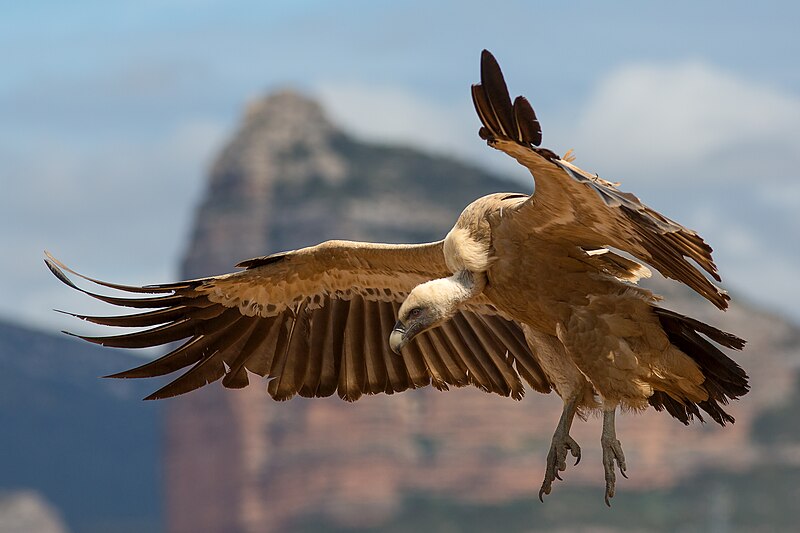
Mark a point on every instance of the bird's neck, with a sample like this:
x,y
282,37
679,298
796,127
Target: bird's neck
x,y
458,289
469,283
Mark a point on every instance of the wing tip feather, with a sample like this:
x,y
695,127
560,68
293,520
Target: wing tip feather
x,y
501,119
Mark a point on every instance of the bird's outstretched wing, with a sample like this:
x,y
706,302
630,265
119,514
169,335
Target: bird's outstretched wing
x,y
576,207
315,321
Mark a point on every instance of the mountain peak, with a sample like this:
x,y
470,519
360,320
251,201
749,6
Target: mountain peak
x,y
284,136
284,108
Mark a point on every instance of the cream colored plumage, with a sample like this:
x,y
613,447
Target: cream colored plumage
x,y
523,288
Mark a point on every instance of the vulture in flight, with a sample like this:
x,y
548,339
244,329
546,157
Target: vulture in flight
x,y
525,289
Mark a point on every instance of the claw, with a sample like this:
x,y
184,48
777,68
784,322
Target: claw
x,y
576,453
560,445
557,460
612,455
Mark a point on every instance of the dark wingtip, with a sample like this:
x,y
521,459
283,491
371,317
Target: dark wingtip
x,y
161,394
488,57
496,91
500,117
118,375
262,261
529,129
58,273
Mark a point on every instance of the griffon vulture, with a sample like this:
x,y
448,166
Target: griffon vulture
x,y
524,288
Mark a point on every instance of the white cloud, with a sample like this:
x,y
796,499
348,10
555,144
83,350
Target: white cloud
x,y
392,114
682,115
384,113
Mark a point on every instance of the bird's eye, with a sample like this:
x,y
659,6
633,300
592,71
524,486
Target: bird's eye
x,y
415,313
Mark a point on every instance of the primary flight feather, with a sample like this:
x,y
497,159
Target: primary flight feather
x,y
523,289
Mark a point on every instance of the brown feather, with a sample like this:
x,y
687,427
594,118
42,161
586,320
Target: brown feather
x,y
495,381
484,109
395,366
514,340
320,319
352,375
237,377
497,353
280,353
211,367
167,333
376,372
418,371
497,94
189,353
291,360
456,369
333,352
440,377
477,375
529,130
153,318
261,359
56,267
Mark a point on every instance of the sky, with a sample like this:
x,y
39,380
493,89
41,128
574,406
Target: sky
x,y
111,114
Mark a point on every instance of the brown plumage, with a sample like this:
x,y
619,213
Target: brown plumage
x,y
524,289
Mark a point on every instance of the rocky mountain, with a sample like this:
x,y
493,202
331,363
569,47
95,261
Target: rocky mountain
x,y
88,447
236,461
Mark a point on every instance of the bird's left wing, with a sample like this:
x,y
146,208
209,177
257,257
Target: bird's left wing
x,y
575,207
315,321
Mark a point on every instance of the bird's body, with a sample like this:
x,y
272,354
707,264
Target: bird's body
x,y
523,289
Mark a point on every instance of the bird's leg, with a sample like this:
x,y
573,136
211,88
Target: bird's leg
x,y
612,452
562,442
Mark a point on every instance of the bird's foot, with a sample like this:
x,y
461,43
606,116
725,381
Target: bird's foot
x,y
612,455
557,459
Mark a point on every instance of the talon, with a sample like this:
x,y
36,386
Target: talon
x,y
612,455
575,450
560,448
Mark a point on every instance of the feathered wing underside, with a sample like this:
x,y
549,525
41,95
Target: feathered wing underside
x,y
299,320
582,209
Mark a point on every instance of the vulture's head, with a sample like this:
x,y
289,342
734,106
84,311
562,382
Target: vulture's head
x,y
429,305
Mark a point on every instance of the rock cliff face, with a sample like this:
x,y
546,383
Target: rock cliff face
x,y
237,461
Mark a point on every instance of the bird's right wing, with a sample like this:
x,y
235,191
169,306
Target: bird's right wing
x,y
572,206
316,321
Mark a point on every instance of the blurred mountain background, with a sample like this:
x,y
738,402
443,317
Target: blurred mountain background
x,y
88,456
111,116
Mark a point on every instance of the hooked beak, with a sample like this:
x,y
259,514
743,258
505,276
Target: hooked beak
x,y
398,338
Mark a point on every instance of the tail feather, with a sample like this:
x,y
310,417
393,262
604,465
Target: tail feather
x,y
725,379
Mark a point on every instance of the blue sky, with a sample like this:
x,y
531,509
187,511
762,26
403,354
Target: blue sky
x,y
111,113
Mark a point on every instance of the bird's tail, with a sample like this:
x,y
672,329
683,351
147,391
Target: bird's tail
x,y
724,379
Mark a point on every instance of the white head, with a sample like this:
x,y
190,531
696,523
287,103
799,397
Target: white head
x,y
432,303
